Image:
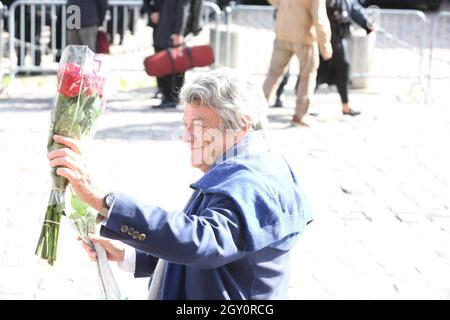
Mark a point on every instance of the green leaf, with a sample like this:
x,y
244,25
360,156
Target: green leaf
x,y
75,216
79,206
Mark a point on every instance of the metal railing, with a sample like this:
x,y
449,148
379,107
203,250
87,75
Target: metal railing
x,y
249,38
2,48
37,29
28,22
404,31
439,55
212,10
212,19
37,34
399,51
131,38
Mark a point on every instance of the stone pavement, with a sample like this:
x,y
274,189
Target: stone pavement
x,y
378,185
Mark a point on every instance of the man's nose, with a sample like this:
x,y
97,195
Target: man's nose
x,y
186,136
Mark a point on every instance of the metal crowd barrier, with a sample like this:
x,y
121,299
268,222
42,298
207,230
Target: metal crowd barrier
x,y
248,40
2,52
28,22
439,57
37,34
37,29
212,19
131,37
401,42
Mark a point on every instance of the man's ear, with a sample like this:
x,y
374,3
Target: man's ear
x,y
248,123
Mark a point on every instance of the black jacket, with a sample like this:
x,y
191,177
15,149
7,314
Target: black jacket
x,y
336,70
92,11
151,6
355,12
173,17
189,12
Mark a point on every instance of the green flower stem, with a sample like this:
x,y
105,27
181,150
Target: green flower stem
x,y
48,240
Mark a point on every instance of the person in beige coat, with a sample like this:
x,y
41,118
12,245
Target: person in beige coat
x,y
302,28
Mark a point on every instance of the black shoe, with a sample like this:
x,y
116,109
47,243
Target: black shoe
x,y
351,112
278,103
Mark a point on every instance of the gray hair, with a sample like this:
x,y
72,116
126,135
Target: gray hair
x,y
230,94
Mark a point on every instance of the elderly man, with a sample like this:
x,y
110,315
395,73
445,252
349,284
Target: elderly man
x,y
233,238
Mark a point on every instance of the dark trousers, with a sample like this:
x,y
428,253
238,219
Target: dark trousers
x,y
336,71
170,85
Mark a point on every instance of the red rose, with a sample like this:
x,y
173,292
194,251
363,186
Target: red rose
x,y
69,78
71,81
92,83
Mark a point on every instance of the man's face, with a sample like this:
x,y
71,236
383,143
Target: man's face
x,y
202,134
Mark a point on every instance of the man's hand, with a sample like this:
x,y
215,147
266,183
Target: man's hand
x,y
70,161
154,17
177,39
115,250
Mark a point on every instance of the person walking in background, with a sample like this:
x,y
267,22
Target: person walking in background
x,y
279,95
170,21
92,15
337,69
300,26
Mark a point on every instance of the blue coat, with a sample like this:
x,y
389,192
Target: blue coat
x,y
232,240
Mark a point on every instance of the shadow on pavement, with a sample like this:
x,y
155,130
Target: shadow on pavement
x,y
25,104
280,118
280,121
143,109
142,90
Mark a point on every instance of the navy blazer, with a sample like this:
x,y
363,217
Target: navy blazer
x,y
232,240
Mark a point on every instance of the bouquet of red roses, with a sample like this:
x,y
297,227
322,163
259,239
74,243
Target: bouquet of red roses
x,y
78,104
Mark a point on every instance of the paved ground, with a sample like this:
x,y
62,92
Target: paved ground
x,y
378,184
